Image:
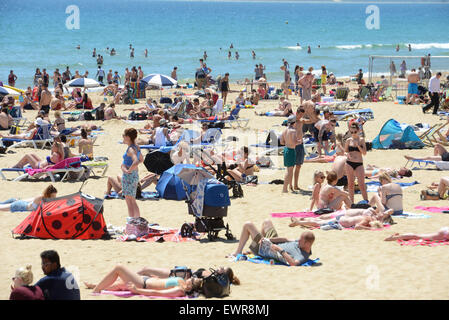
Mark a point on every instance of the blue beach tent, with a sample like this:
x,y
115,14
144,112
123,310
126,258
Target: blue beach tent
x,y
170,186
393,130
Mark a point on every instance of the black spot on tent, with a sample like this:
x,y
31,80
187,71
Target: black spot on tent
x,y
78,226
96,225
80,209
28,229
38,229
87,219
56,224
65,214
66,232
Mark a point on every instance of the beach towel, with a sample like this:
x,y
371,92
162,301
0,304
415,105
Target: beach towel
x,y
304,214
159,234
63,164
421,242
128,294
433,209
146,195
371,186
411,215
260,260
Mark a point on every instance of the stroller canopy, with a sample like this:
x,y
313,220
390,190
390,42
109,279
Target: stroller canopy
x,y
75,216
170,186
393,130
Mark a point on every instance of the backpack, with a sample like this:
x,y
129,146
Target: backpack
x,y
88,116
217,285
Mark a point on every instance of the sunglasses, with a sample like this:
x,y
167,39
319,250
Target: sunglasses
x,y
302,110
354,132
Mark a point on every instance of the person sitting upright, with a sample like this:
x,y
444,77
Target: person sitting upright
x,y
21,289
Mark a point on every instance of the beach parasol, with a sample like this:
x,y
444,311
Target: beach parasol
x,y
157,161
7,91
159,80
83,83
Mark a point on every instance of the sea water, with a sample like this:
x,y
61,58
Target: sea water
x,y
176,33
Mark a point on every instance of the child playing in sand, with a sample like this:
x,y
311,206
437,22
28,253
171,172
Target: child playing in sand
x,y
318,178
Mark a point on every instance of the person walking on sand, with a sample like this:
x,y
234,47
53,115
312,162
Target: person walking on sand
x,y
413,79
130,177
434,93
288,139
299,147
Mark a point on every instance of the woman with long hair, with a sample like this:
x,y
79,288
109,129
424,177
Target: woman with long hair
x,y
31,204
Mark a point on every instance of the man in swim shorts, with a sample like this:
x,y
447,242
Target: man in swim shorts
x,y
413,79
292,252
44,103
288,139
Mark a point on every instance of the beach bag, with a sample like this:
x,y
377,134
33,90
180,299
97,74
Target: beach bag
x,y
165,100
217,285
14,129
137,227
88,116
324,211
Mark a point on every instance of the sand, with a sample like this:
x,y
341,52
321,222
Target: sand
x,y
355,264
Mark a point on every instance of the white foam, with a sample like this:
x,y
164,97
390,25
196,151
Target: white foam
x,y
430,45
350,46
294,48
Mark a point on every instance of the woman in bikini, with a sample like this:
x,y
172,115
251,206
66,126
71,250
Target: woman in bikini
x,y
374,172
355,148
318,179
243,168
440,193
31,204
439,154
57,155
389,195
144,285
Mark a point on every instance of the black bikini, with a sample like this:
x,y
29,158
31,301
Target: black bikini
x,y
354,165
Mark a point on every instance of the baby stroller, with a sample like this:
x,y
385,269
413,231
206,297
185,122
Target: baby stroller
x,y
208,202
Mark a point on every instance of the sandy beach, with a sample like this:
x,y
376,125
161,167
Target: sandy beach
x,y
354,264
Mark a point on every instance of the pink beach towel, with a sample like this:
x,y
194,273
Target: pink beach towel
x,y
428,243
66,163
304,214
128,294
432,209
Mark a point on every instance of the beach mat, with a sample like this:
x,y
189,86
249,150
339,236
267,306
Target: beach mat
x,y
433,209
421,242
146,195
159,235
128,294
257,259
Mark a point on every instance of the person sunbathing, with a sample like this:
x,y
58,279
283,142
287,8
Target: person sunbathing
x,y
347,212
389,195
27,135
122,279
242,168
332,197
366,221
32,159
439,154
442,234
284,110
440,194
30,204
373,172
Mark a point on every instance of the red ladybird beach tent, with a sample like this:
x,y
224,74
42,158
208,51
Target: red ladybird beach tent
x,y
75,216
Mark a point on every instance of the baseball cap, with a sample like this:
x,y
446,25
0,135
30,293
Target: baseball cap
x,y
38,122
291,119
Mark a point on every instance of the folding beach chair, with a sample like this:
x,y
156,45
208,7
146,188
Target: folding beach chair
x,y
95,164
41,137
387,94
345,115
342,93
16,114
429,138
65,167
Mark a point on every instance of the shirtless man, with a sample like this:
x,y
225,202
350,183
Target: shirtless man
x,y
288,139
299,148
85,145
284,104
109,113
331,196
306,83
413,79
46,97
311,114
339,166
5,119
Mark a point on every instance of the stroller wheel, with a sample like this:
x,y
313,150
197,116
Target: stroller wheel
x,y
187,230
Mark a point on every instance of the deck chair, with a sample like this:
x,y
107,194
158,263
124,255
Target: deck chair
x,y
365,94
345,115
423,164
429,138
65,167
16,114
387,94
342,93
94,165
218,108
181,110
42,137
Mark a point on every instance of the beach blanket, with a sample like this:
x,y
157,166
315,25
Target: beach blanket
x,y
128,294
146,195
159,234
310,214
63,164
260,260
371,186
433,209
421,242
